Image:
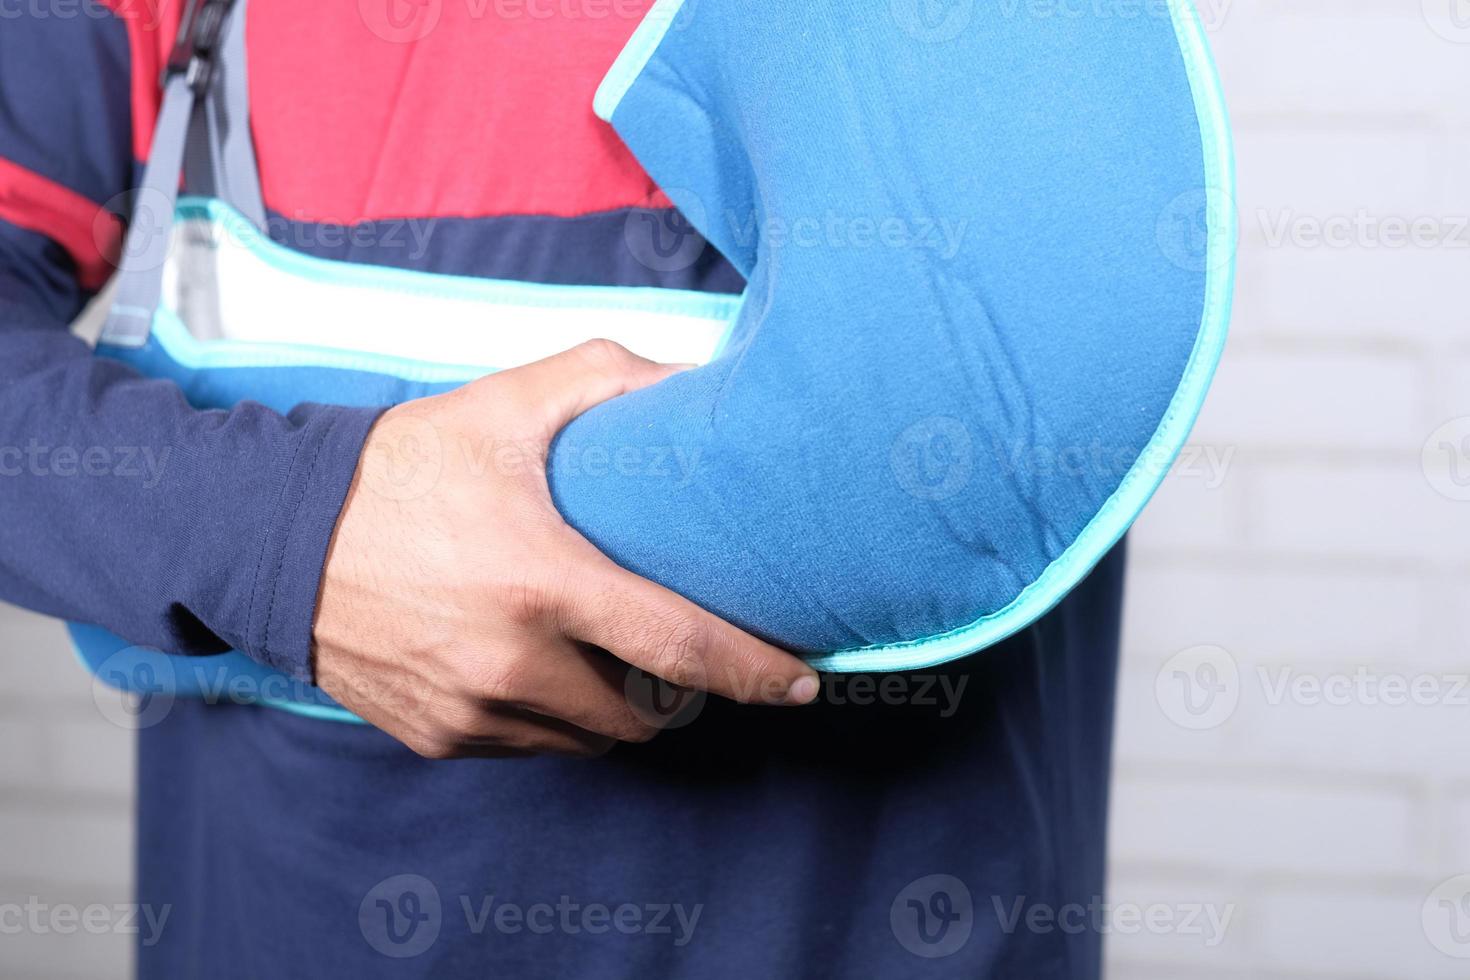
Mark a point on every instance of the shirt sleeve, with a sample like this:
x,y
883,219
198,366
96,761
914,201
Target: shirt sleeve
x,y
120,504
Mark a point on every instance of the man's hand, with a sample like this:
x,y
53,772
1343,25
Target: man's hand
x,y
458,611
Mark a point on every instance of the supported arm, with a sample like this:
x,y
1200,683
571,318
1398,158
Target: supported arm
x,y
121,505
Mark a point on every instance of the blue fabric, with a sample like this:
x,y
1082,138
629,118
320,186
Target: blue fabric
x,y
195,532
935,412
77,134
958,340
523,247
38,286
226,678
792,833
282,653
264,833
122,505
290,380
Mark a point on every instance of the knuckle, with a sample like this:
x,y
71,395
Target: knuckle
x,y
499,684
472,674
679,646
479,677
460,721
638,733
604,353
524,601
511,738
539,741
433,747
593,748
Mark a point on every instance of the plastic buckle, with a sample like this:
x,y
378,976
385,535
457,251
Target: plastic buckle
x,y
193,55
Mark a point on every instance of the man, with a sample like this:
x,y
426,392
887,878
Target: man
x,y
903,830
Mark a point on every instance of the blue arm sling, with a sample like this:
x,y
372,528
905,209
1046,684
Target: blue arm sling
x,y
989,261
989,264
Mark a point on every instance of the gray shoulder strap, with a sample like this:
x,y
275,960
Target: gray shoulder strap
x,y
219,160
204,128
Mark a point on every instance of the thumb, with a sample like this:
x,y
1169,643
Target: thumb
x,y
567,384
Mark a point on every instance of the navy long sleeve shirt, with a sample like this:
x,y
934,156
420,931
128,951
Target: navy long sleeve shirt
x,y
910,833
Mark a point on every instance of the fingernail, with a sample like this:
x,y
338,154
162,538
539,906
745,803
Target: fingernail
x,y
803,690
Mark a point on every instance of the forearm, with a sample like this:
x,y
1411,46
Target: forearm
x,y
193,531
120,504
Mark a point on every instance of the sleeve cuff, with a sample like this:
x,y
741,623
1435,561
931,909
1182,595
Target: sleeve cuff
x,y
295,549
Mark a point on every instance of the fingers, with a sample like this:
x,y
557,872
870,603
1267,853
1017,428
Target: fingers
x,y
534,734
665,634
471,730
639,622
573,381
457,711
585,688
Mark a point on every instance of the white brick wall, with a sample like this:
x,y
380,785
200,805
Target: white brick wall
x,y
1324,827
1325,821
66,792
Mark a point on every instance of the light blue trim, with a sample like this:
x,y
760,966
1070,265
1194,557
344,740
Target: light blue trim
x,y
1121,509
94,647
631,61
172,336
1100,534
650,299
321,712
182,346
191,352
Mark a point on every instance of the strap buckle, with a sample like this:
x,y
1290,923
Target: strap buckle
x,y
194,52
